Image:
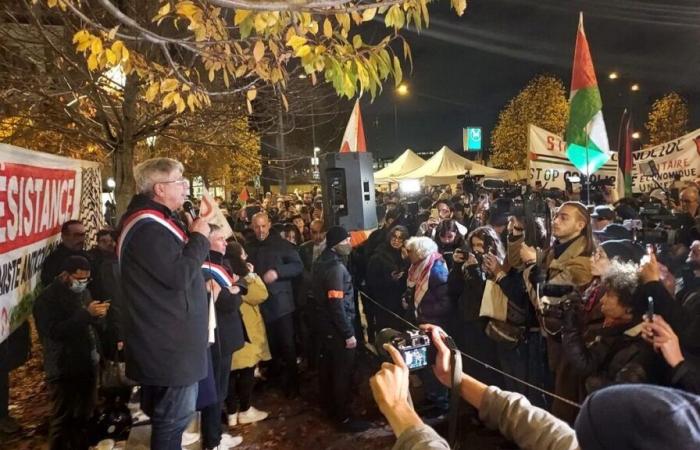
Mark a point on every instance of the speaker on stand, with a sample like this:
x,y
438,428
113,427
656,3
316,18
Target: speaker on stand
x,y
347,180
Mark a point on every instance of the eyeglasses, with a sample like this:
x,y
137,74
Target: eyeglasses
x,y
398,237
181,181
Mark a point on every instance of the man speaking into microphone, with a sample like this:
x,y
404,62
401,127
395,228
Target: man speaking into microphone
x,y
165,299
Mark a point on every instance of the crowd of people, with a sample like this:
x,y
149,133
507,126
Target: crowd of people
x,y
560,299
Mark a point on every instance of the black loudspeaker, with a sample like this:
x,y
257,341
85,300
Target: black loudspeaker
x,y
347,181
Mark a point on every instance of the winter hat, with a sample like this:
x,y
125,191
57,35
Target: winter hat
x,y
640,417
626,212
624,250
613,231
335,235
603,212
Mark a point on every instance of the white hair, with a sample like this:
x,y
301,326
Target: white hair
x,y
153,171
423,246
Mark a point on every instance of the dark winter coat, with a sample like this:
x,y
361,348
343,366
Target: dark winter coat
x,y
66,331
104,286
165,302
686,376
280,255
52,264
14,351
466,287
334,303
610,355
230,332
380,284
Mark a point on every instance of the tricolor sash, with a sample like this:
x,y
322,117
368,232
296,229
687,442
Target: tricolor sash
x,y
141,217
219,274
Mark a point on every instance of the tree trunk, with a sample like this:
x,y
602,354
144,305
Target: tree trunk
x,y
124,153
124,176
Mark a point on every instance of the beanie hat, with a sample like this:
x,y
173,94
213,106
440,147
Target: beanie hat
x,y
613,231
335,235
641,417
624,250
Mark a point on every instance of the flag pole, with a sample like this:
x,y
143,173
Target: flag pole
x,y
588,168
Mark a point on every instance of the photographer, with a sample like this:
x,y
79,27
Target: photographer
x,y
466,283
566,262
610,418
684,374
448,239
616,352
445,210
682,316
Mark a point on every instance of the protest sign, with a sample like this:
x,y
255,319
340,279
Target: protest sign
x,y
38,193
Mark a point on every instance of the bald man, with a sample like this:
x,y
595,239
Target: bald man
x,y
278,263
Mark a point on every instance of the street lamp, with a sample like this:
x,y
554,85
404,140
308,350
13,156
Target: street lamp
x,y
636,135
634,87
401,91
111,183
613,75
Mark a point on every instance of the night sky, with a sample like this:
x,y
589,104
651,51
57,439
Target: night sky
x,y
466,69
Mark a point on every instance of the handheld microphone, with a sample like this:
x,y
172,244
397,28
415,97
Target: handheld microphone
x,y
188,207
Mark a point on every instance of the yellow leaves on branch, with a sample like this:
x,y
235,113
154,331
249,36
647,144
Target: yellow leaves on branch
x,y
234,43
100,57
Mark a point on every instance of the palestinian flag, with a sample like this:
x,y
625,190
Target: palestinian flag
x,y
624,157
587,141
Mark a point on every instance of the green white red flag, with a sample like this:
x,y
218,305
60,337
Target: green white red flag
x,y
587,140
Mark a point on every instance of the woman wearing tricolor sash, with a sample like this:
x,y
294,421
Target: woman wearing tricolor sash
x,y
228,333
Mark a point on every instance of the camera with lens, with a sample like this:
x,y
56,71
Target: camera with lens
x,y
557,298
415,347
661,226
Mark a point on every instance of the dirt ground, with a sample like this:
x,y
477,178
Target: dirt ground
x,y
293,424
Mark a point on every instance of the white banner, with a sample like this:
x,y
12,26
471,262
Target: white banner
x,y
678,157
38,193
549,164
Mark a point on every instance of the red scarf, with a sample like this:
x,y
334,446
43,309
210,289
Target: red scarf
x,y
419,276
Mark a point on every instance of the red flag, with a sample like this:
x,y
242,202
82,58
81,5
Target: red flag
x,y
243,196
354,137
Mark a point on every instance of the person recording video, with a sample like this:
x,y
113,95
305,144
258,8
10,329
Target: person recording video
x,y
621,417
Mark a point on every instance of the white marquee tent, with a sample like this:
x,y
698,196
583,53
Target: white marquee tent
x,y
445,165
407,162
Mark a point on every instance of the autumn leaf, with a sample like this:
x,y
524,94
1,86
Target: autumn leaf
x,y
168,85
258,51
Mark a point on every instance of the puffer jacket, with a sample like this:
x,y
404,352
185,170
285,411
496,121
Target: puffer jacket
x,y
437,307
257,349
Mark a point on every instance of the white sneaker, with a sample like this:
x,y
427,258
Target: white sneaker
x,y
228,441
233,419
189,438
252,415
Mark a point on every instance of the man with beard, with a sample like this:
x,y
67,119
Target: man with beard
x,y
334,307
72,244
